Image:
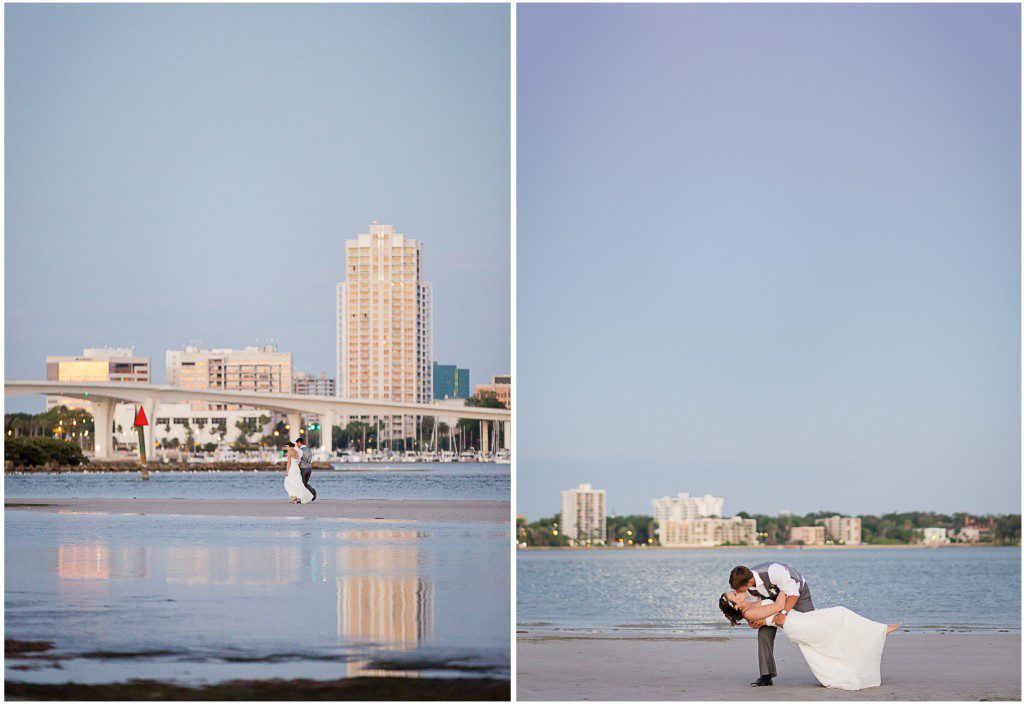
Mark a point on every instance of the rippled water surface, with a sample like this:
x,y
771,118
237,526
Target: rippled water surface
x,y
212,598
376,481
958,588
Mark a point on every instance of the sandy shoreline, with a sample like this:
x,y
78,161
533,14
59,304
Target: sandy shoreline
x,y
342,509
915,666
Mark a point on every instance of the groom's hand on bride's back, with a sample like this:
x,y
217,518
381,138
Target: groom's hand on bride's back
x,y
757,623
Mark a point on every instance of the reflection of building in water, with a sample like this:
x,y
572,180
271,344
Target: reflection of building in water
x,y
226,566
83,562
392,606
100,562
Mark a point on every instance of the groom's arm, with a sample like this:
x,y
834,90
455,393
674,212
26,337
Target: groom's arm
x,y
788,586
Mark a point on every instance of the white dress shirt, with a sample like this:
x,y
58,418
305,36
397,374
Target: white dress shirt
x,y
780,577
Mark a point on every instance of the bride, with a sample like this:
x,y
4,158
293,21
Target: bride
x,y
843,649
293,477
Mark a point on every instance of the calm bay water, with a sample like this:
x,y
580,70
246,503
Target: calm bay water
x,y
677,590
202,599
431,481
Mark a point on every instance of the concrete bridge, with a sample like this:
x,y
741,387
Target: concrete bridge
x,y
103,396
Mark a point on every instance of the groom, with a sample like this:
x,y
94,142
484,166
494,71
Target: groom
x,y
305,464
765,581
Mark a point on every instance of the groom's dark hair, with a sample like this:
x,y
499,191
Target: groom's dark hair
x,y
740,577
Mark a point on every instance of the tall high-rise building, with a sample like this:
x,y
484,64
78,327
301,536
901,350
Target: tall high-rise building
x,y
96,364
450,382
685,507
583,514
384,331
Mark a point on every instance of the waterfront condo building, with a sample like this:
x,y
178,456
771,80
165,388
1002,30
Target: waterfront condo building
x,y
583,515
450,382
845,531
262,368
384,333
310,385
685,507
500,386
707,532
808,535
119,364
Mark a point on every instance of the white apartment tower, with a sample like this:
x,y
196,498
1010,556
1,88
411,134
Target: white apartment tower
x,y
583,515
685,507
384,330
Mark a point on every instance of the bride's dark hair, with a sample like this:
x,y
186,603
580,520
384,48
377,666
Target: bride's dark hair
x,y
731,612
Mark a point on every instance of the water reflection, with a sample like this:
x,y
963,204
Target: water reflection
x,y
85,562
221,598
394,605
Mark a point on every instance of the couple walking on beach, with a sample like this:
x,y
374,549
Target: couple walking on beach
x,y
298,470
842,648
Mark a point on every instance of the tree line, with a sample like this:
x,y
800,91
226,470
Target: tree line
x,y
886,529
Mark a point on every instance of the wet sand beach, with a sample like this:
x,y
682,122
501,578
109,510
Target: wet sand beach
x,y
432,511
641,666
351,689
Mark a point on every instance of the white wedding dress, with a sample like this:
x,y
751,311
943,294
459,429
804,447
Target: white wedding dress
x,y
843,648
293,483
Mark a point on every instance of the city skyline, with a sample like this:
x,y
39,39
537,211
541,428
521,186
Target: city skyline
x,y
769,252
182,173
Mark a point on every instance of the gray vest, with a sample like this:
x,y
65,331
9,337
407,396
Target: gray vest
x,y
305,457
773,591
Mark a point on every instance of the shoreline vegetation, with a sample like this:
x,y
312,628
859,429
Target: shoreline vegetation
x,y
906,529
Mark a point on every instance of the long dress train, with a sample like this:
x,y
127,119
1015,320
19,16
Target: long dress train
x,y
843,649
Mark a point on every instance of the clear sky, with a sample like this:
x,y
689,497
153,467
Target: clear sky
x,y
771,253
192,171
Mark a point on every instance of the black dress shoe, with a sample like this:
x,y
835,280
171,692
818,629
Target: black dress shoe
x,y
762,681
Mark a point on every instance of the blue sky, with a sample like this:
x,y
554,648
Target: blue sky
x,y
771,253
192,171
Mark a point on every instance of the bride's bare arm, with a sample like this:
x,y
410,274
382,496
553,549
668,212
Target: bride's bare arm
x,y
756,613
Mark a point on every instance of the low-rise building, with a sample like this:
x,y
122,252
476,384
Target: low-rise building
x,y
841,529
102,364
934,536
583,515
175,421
310,385
977,532
450,382
500,386
808,535
707,532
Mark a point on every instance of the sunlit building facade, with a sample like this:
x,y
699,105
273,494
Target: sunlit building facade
x,y
583,515
500,387
96,364
707,532
842,530
384,332
684,507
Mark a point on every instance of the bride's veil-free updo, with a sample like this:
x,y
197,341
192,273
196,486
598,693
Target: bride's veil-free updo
x,y
731,612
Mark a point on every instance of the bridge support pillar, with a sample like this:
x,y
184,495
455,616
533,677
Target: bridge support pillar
x,y
485,436
328,420
151,405
504,434
294,421
103,434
